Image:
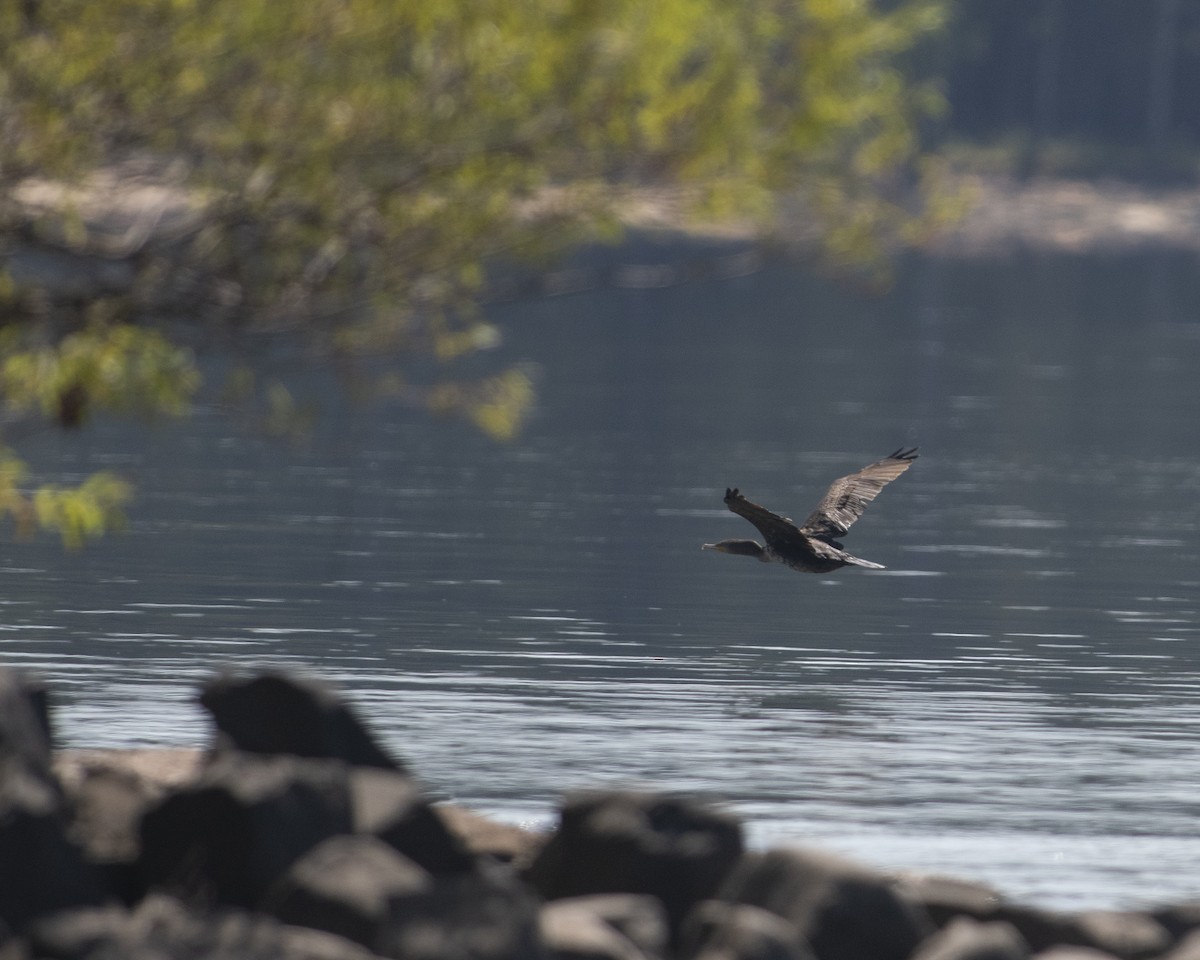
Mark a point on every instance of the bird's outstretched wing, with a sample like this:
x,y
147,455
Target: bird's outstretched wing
x,y
848,497
776,530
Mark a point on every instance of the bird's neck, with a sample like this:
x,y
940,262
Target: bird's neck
x,y
747,548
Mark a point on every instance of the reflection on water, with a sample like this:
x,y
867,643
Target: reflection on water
x,y
1014,699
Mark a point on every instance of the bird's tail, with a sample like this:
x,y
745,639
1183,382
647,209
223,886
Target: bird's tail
x,y
870,565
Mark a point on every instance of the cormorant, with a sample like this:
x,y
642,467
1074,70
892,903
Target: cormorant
x,y
811,548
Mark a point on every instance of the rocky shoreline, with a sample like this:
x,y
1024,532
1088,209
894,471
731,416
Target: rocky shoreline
x,y
295,835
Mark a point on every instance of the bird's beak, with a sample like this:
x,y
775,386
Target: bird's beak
x,y
711,546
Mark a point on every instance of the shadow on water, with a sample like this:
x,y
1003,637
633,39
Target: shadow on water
x,y
1014,698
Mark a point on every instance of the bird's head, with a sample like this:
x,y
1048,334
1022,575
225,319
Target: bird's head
x,y
741,548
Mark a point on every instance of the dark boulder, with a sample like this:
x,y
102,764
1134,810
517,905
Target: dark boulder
x,y
280,713
233,833
484,915
163,927
12,947
1187,948
41,868
605,926
25,734
345,885
1179,919
1042,929
677,850
844,911
717,930
390,805
1125,934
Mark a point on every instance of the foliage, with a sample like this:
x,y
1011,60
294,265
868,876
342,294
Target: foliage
x,y
362,161
494,405
386,150
121,368
87,511
117,367
78,514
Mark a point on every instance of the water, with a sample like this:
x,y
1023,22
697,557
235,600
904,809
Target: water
x,y
1015,699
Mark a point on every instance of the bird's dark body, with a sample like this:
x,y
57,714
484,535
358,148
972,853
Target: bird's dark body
x,y
805,564
811,547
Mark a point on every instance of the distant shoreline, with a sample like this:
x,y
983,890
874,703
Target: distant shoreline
x,y
1001,214
1061,215
127,209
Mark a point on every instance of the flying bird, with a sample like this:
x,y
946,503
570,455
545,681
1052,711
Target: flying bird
x,y
811,547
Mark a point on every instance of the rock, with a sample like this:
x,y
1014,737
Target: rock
x,y
345,885
108,792
483,915
41,869
716,930
1041,929
163,927
277,713
157,768
1070,952
944,898
25,725
485,837
1188,948
1179,919
1123,933
966,939
390,806
613,926
638,917
80,932
844,911
314,825
11,946
107,806
233,833
676,850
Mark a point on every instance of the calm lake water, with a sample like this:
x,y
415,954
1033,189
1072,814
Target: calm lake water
x,y
1016,699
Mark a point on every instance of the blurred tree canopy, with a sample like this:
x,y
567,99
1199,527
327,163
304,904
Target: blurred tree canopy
x,y
360,162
